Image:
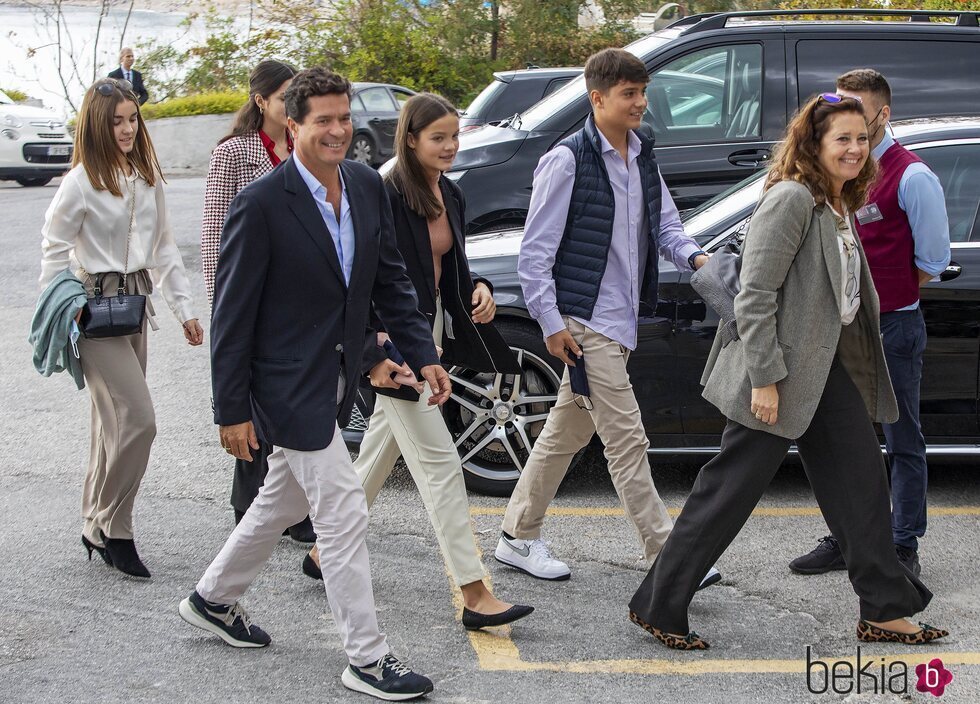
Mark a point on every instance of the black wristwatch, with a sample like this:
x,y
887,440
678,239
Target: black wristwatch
x,y
690,259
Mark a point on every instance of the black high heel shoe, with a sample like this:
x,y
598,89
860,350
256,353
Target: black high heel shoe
x,y
124,557
90,546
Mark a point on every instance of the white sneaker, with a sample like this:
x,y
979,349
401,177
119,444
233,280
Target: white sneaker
x,y
713,577
531,556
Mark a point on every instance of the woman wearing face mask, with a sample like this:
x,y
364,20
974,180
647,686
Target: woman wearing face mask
x,y
110,215
259,141
428,217
808,367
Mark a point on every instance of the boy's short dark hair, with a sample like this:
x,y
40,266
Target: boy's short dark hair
x,y
866,80
608,68
309,83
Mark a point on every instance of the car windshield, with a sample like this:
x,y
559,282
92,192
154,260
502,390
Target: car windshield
x,y
575,89
5,99
485,96
704,220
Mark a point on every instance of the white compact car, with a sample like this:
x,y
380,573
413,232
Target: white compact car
x,y
35,146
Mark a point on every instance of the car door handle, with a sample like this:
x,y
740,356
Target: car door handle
x,y
374,120
750,157
952,271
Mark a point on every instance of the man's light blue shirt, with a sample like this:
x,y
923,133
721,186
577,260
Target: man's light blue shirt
x,y
342,233
921,196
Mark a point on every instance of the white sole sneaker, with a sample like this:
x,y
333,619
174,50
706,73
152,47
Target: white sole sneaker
x,y
712,577
355,683
508,555
190,615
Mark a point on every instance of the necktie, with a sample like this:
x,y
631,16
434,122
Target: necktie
x,y
129,76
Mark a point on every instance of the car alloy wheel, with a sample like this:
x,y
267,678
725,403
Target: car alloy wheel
x,y
494,420
362,150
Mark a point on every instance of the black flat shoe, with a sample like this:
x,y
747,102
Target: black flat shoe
x,y
302,532
124,557
90,546
473,620
311,569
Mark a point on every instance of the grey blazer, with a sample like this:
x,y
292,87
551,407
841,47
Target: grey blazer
x,y
789,320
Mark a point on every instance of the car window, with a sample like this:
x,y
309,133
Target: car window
x,y
556,84
927,78
401,97
689,103
958,169
376,100
485,98
356,105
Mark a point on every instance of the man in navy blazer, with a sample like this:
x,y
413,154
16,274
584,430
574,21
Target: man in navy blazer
x,y
126,72
304,251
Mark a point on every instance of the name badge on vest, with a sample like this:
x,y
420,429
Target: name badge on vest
x,y
869,214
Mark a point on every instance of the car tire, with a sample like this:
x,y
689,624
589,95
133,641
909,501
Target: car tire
x,y
362,149
493,448
34,182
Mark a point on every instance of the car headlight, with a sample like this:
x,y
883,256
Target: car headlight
x,y
10,121
454,175
10,134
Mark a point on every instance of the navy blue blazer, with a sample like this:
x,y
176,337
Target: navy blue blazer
x,y
285,323
138,86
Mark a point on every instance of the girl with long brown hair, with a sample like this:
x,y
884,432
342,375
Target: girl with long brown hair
x,y
258,143
109,217
808,366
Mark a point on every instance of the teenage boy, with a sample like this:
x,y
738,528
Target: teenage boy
x,y
599,215
905,233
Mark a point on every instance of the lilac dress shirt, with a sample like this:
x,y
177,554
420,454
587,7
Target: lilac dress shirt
x,y
617,307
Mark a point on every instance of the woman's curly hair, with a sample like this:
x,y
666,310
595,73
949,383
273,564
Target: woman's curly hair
x,y
797,157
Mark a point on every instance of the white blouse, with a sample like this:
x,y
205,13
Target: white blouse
x,y
850,266
88,228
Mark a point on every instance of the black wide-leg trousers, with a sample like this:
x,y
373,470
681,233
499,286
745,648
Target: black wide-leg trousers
x,y
843,462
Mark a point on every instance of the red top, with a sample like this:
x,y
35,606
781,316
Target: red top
x,y
887,240
270,146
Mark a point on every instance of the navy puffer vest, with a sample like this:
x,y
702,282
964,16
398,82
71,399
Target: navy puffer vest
x,y
582,255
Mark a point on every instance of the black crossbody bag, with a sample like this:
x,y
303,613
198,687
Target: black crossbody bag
x,y
122,314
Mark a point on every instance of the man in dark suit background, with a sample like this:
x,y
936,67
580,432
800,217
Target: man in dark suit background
x,y
126,72
305,249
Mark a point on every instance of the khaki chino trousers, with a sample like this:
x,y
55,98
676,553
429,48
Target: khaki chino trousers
x,y
615,416
417,431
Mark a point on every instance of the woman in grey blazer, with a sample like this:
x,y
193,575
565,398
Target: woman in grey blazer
x,y
809,368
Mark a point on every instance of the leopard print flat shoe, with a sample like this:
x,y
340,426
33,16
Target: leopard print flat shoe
x,y
692,641
872,634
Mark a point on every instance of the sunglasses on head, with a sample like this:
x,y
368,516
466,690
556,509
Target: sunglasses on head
x,y
835,98
107,87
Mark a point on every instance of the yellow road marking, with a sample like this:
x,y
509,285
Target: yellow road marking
x,y
773,511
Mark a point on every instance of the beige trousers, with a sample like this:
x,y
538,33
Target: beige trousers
x,y
615,416
322,484
123,428
418,432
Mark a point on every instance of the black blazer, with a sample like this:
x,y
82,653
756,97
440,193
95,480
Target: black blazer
x,y
284,322
138,86
476,346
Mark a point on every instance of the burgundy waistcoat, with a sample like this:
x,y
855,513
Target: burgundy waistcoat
x,y
888,242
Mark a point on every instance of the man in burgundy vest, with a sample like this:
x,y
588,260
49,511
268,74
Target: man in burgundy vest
x,y
905,234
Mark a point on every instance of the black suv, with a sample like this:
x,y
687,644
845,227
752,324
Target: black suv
x,y
722,88
511,92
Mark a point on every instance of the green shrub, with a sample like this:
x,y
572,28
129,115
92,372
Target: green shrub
x,y
18,96
200,104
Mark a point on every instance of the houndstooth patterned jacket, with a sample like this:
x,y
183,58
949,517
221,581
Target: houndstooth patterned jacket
x,y
234,164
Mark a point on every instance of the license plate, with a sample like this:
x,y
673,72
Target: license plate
x,y
59,150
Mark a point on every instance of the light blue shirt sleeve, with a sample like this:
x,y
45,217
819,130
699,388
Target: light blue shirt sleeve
x,y
551,196
675,245
920,195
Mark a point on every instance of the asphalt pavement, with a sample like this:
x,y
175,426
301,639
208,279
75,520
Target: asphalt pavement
x,y
77,631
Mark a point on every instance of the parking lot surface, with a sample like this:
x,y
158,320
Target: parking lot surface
x,y
76,631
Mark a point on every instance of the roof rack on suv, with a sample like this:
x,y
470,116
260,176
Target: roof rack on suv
x,y
719,20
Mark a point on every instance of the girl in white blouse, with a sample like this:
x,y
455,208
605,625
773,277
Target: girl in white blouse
x,y
109,215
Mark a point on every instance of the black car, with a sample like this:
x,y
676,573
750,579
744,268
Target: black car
x,y
674,340
511,92
374,111
722,88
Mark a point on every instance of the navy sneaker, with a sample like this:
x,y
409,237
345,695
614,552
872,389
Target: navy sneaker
x,y
387,679
826,557
230,623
